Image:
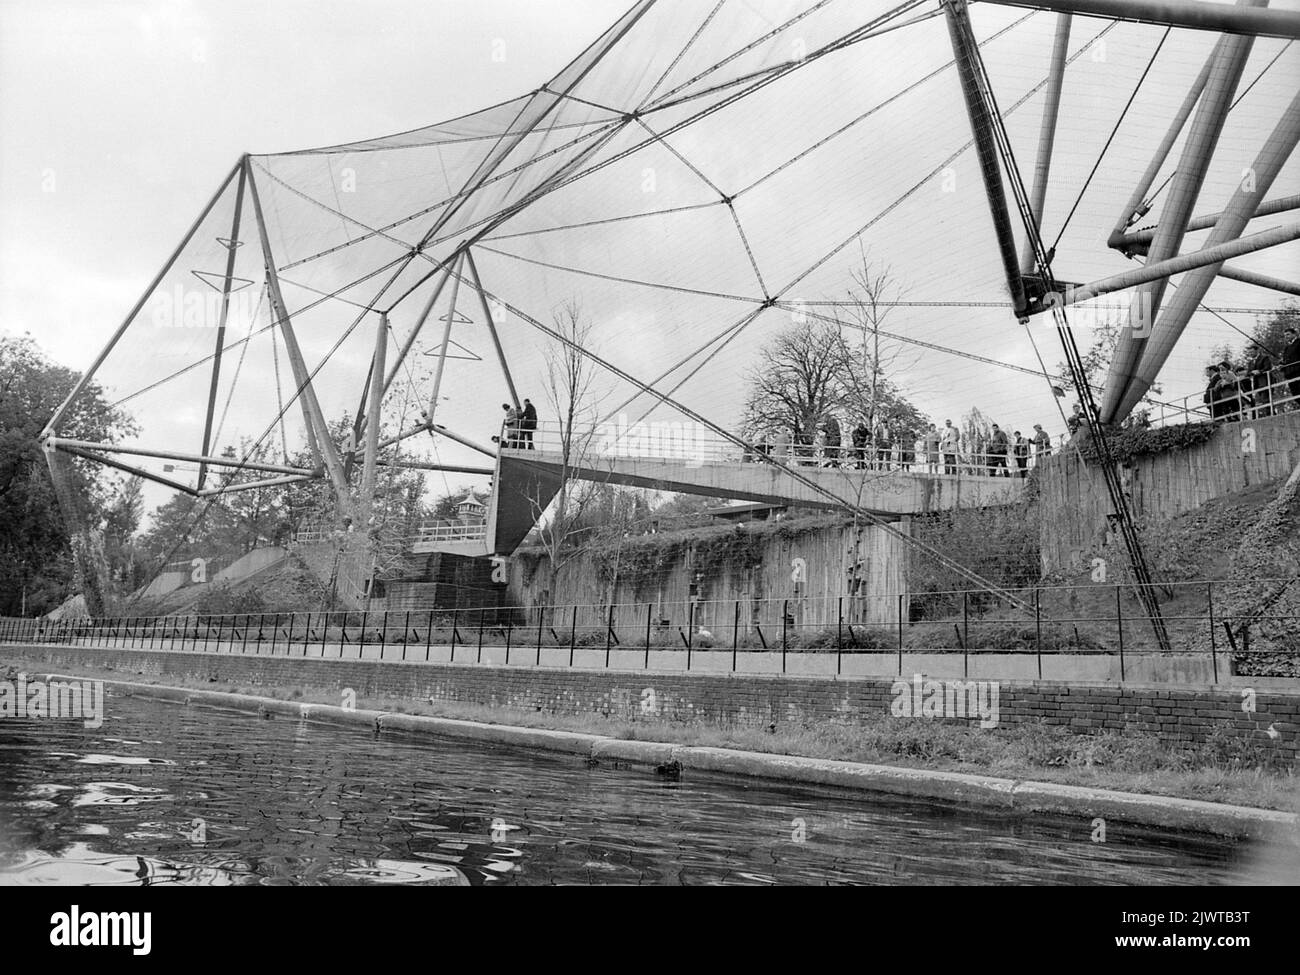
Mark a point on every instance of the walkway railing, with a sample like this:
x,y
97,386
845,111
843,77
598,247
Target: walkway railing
x,y
451,533
1100,620
693,445
1251,399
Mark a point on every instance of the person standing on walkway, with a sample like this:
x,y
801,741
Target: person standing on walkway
x,y
931,441
510,429
1291,365
882,446
1074,421
948,444
1261,381
998,447
528,423
1042,444
831,442
860,435
1020,451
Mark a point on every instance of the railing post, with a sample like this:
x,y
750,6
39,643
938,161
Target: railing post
x,y
573,633
361,645
1121,649
406,635
275,631
735,635
1214,650
609,631
839,629
690,632
482,614
324,632
509,617
1119,618
785,619
455,618
383,634
428,636
901,598
541,622
1038,630
965,618
649,610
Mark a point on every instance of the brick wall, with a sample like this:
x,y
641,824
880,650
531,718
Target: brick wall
x,y
1178,715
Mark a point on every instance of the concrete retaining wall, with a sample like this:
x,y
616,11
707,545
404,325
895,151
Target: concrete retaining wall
x,y
1183,715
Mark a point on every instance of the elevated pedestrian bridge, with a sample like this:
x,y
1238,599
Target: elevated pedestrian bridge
x,y
679,457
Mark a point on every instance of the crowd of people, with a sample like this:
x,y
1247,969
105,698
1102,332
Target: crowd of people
x,y
883,446
1260,388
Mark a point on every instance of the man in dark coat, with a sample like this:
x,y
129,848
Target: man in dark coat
x,y
860,435
1291,364
1261,379
997,449
528,423
831,442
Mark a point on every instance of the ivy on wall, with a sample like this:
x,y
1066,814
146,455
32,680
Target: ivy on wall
x,y
1127,445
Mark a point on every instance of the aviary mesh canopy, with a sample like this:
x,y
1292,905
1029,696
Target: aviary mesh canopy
x,y
695,177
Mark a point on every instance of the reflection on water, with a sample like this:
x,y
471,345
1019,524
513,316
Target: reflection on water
x,y
168,794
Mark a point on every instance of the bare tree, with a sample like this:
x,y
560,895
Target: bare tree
x,y
872,389
574,400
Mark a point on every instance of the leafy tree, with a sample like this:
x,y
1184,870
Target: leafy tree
x,y
36,566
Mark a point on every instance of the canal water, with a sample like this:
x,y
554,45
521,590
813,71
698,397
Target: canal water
x,y
163,793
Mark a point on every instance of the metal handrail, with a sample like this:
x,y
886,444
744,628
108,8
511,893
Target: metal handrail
x,y
770,624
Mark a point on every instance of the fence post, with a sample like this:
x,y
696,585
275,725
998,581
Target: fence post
x,y
1214,650
482,615
690,632
965,618
275,631
324,632
1121,656
361,645
609,629
541,621
455,618
573,633
428,636
383,635
839,630
1038,631
1119,619
735,636
785,617
508,629
649,611
901,597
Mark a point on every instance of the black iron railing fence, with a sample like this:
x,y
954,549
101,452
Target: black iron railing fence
x,y
1096,619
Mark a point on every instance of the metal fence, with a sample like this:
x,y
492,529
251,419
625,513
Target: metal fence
x,y
1047,620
